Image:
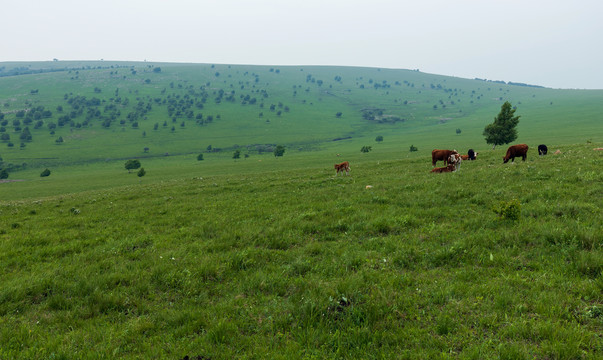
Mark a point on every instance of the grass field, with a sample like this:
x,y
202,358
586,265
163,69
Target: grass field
x,y
276,257
494,261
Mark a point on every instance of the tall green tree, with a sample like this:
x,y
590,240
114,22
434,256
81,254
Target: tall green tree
x,y
503,129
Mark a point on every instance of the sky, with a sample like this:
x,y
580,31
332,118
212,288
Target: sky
x,y
552,43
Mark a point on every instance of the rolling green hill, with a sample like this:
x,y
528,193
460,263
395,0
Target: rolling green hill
x,y
107,112
277,257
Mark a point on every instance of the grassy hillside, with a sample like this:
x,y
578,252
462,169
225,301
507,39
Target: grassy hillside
x,y
276,257
107,112
492,262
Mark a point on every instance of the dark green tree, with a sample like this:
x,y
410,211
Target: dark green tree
x,y
458,131
141,172
503,129
200,157
45,173
365,149
3,174
132,164
413,148
279,150
59,140
379,138
236,154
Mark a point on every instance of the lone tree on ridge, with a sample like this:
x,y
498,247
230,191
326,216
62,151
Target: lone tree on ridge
x,y
502,130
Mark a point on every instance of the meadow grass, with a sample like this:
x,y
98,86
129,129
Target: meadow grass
x,y
296,262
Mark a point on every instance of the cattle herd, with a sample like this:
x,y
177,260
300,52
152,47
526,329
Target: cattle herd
x,y
452,159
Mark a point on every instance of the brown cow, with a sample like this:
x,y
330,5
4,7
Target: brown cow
x,y
443,155
344,166
449,168
516,151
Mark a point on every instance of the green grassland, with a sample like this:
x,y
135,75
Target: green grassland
x,y
494,261
276,257
109,111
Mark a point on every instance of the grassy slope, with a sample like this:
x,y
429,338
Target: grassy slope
x,y
92,157
263,258
294,264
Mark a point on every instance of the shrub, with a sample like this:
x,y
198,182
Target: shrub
x,y
45,173
510,210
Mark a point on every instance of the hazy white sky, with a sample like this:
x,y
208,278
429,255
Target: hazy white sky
x,y
551,43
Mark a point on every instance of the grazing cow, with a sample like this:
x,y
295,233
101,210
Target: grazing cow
x,y
441,155
542,149
449,168
455,159
344,166
598,149
516,151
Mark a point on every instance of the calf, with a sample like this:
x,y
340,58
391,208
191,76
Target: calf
x,y
344,166
449,168
471,155
542,149
441,155
516,151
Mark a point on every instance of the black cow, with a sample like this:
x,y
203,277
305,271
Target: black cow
x,y
542,149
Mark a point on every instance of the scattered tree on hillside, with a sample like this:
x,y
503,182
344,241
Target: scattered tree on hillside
x,y
379,138
59,140
236,154
141,172
338,115
279,150
365,149
45,173
458,131
413,148
132,164
200,157
502,130
3,174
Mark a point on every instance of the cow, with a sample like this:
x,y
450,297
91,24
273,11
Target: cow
x,y
542,149
516,151
344,166
441,155
471,155
455,159
449,168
